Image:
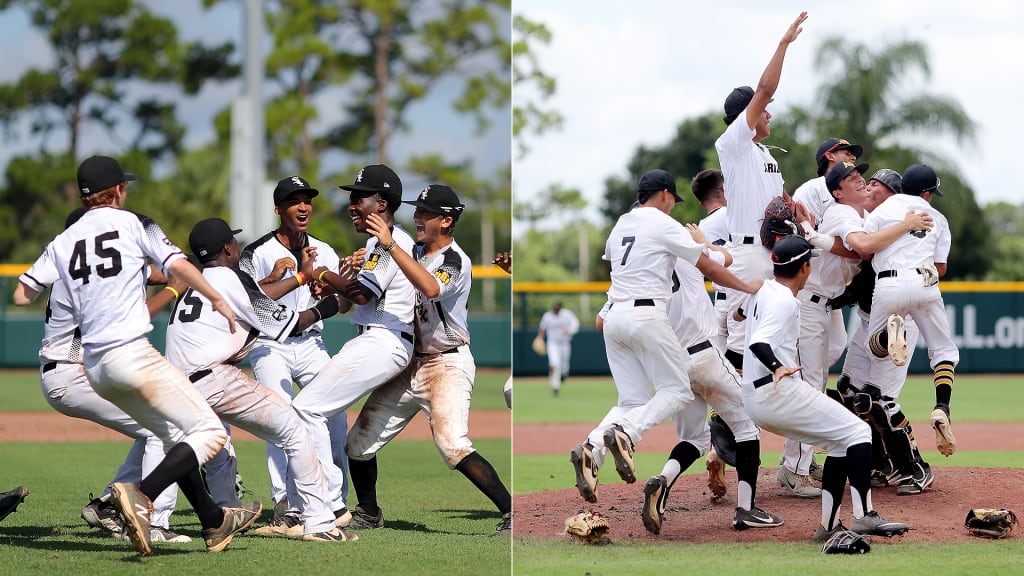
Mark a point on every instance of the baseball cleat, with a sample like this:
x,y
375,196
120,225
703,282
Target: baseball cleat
x,y
136,509
335,535
716,476
897,336
9,501
917,482
754,518
822,534
281,527
874,525
504,526
236,521
103,515
816,471
582,459
799,486
944,440
620,446
160,534
342,518
655,496
363,520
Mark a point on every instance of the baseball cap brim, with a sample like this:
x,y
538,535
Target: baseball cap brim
x,y
425,206
361,188
131,176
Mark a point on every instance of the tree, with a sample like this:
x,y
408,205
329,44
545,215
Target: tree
x,y
527,115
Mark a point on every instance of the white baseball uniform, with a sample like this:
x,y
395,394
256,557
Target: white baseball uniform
x,y
900,289
379,352
277,363
103,259
200,343
642,348
752,179
559,328
439,379
716,231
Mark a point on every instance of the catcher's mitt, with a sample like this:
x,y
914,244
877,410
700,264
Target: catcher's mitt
x,y
846,542
588,528
539,346
779,218
990,522
723,440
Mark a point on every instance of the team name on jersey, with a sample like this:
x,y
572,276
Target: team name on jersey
x,y
771,168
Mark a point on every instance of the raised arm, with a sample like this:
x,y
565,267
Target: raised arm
x,y
866,243
420,278
769,81
189,274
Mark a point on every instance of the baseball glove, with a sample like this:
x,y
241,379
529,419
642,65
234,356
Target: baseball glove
x,y
539,346
723,440
846,542
779,216
990,522
588,528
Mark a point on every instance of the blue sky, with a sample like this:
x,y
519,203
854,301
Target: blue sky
x,y
628,73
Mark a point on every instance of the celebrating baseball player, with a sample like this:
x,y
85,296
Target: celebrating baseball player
x,y
439,380
752,179
779,400
383,313
101,260
10,500
557,327
277,363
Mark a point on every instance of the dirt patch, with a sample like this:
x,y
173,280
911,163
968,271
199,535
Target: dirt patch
x,y
55,427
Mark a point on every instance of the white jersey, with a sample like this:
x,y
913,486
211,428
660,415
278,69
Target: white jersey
x,y
752,177
442,322
394,296
773,317
715,227
62,340
815,197
561,327
100,259
258,260
831,273
198,337
642,248
912,249
690,310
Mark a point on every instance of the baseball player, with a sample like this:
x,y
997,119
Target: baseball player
x,y
642,347
200,344
383,312
907,274
558,326
9,501
439,380
752,179
101,261
779,400
297,358
896,458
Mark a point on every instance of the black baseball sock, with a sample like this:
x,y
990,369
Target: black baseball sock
x,y
943,384
748,460
833,481
181,465
736,359
364,482
483,476
192,486
858,459
685,454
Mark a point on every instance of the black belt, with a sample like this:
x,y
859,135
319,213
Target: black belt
x,y
817,299
199,375
405,335
895,273
49,366
643,302
698,347
426,354
719,296
763,380
742,239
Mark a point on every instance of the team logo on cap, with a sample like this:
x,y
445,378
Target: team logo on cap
x,y
423,194
298,181
359,177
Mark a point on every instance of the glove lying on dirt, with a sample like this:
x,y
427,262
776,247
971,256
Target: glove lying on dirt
x,y
588,527
846,542
990,522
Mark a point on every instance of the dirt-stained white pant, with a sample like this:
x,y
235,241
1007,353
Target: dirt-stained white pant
x,y
714,382
244,403
441,385
749,261
136,378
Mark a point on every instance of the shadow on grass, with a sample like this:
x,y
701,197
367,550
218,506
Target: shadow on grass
x,y
63,538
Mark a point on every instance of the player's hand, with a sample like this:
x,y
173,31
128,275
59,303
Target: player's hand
x,y
349,268
221,306
378,228
784,371
156,277
804,215
308,258
357,259
918,221
697,233
280,267
504,261
794,29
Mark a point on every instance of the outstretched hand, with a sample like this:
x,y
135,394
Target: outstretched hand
x,y
784,371
795,28
918,220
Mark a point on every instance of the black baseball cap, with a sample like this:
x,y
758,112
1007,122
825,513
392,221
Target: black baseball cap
x,y
889,177
920,178
290,185
378,179
98,173
657,180
840,171
208,238
792,249
737,101
832,145
439,199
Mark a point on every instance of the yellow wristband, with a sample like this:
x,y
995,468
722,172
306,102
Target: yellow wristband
x,y
321,277
300,278
173,291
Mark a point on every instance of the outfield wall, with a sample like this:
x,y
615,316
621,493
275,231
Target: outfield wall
x,y
987,325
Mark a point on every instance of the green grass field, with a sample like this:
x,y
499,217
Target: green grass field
x,y
436,521
586,400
